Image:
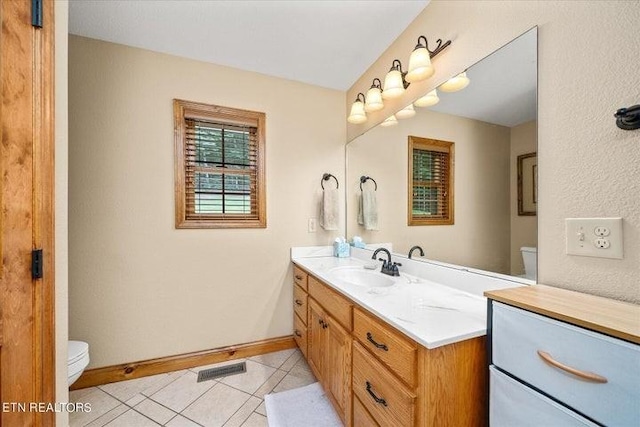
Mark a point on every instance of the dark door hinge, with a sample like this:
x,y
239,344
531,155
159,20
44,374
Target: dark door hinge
x,y
36,263
36,13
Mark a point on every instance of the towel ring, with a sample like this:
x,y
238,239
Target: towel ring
x,y
364,179
327,177
628,118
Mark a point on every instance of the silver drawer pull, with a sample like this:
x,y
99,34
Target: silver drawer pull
x,y
588,376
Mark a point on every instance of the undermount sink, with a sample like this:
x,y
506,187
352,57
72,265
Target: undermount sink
x,y
361,277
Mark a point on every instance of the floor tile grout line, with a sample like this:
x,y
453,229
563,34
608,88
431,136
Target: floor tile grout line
x,y
111,395
140,393
243,391
292,355
170,419
166,385
184,416
120,402
274,387
157,403
253,393
193,401
238,410
134,409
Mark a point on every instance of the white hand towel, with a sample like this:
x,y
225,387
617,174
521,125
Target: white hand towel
x,y
329,209
368,210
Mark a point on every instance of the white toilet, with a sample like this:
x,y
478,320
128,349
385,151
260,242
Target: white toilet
x,y
78,359
530,258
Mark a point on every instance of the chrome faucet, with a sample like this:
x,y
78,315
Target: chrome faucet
x,y
413,249
389,268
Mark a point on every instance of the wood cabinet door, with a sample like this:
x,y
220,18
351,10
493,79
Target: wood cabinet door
x,y
338,367
26,213
316,344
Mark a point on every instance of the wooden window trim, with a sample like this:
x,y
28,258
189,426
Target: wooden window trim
x,y
430,145
206,112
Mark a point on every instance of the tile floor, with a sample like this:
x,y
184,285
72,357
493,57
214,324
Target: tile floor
x,y
175,399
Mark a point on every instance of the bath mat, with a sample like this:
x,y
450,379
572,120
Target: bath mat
x,y
305,406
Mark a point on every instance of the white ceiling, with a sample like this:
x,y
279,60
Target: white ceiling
x,y
502,88
325,43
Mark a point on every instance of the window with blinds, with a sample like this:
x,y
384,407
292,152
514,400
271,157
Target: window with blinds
x,y
430,181
219,167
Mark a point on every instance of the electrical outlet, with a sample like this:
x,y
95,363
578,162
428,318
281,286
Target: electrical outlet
x,y
601,231
594,237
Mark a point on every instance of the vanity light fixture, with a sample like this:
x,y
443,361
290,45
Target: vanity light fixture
x,y
389,121
455,83
373,100
406,113
394,82
357,114
420,67
428,100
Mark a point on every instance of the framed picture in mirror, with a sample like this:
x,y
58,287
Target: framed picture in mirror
x,y
527,184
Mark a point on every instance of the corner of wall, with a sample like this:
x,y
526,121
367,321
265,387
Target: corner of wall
x,y
61,209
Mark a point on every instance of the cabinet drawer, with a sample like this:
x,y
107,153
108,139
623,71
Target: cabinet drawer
x,y
300,334
391,347
388,401
514,404
334,304
300,277
361,418
300,303
520,339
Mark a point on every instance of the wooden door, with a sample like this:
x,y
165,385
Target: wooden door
x,y
316,344
26,214
338,368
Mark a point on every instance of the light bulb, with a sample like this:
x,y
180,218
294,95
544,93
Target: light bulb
x,y
406,112
389,121
420,67
357,114
456,83
373,100
393,85
428,100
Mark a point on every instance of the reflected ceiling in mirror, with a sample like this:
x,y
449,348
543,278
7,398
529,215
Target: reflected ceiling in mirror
x,y
490,122
502,88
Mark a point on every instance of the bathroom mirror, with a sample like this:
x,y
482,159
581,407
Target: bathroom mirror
x,y
491,123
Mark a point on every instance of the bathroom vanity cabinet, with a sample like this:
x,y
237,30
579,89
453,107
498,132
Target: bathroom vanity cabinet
x,y
562,358
300,301
375,375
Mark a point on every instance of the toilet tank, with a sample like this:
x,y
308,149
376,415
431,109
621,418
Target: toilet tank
x,y
530,258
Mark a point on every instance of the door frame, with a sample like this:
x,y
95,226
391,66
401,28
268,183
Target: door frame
x,y
30,47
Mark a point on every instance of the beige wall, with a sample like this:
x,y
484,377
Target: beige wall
x,y
138,287
480,236
524,230
587,166
61,207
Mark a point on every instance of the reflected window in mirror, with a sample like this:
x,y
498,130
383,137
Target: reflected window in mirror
x,y
430,190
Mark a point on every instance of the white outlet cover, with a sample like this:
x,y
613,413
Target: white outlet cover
x,y
581,237
312,225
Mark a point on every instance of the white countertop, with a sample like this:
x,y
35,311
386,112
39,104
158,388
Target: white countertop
x,y
431,313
